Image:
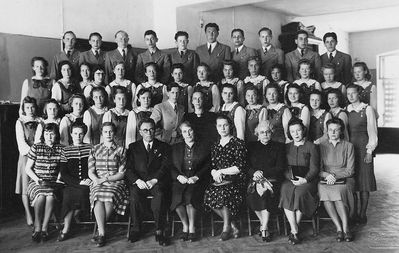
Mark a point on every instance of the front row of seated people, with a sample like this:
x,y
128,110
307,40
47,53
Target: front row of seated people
x,y
269,175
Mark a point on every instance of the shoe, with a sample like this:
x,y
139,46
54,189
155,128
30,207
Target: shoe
x,y
161,239
95,237
348,237
134,236
100,241
36,236
184,236
293,239
236,231
225,236
192,237
340,236
266,236
44,236
62,236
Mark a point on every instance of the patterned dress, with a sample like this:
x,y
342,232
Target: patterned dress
x,y
105,162
230,195
46,166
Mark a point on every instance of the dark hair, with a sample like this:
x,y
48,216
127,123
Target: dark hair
x,y
340,122
192,94
108,123
44,61
151,64
328,66
365,68
354,86
330,34
279,67
118,90
253,88
78,124
121,31
29,100
339,94
232,64
181,33
51,101
80,96
150,32
95,34
141,92
177,66
295,121
272,86
301,32
89,67
265,29
237,30
214,25
172,85
232,87
70,32
103,91
254,58
229,121
206,66
293,86
306,62
62,63
316,92
98,67
51,127
146,120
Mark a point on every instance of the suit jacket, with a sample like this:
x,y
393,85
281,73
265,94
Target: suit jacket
x,y
200,163
113,57
167,121
343,66
62,56
273,56
241,60
214,60
160,58
190,61
291,63
147,165
89,58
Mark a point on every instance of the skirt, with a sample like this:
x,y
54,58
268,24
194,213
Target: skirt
x,y
22,180
302,198
35,191
185,194
75,198
115,192
268,201
339,192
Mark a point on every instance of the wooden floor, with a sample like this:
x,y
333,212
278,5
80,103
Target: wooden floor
x,y
381,234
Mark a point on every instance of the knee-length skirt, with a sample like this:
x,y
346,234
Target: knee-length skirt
x,y
302,197
339,192
35,191
268,201
115,192
75,198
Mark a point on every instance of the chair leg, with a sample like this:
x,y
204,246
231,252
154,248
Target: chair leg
x,y
173,225
129,225
202,226
285,225
212,225
249,223
95,229
278,225
314,225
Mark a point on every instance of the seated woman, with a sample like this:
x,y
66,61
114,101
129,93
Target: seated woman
x,y
108,191
299,190
267,164
228,164
190,160
74,174
337,170
42,167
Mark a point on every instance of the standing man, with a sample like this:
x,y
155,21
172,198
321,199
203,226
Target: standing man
x,y
146,174
213,53
121,54
241,53
68,54
153,54
269,54
341,61
189,58
94,56
301,52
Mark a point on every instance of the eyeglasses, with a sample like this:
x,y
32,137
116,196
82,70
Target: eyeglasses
x,y
146,131
268,132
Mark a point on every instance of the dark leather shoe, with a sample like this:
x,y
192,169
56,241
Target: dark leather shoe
x,y
266,236
192,237
340,236
225,236
62,236
161,239
184,236
36,236
44,236
348,237
100,241
134,236
293,239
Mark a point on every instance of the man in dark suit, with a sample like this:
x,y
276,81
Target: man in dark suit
x,y
269,54
301,52
94,56
147,173
153,54
241,53
341,61
121,54
189,58
68,54
213,53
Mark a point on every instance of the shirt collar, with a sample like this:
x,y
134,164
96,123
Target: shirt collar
x,y
153,50
120,50
302,142
268,48
212,44
146,143
113,145
299,50
172,104
334,53
66,51
94,51
240,48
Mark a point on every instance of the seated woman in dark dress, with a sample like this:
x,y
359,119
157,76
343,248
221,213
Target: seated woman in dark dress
x,y
267,164
74,174
337,170
299,190
228,164
190,170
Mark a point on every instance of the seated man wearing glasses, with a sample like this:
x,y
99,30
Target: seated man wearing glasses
x,y
146,173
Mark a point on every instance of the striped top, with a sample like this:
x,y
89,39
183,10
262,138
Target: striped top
x,y
76,166
47,160
107,161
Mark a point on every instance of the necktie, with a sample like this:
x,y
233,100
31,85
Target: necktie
x,y
331,57
69,53
124,54
210,49
265,50
181,54
96,54
237,51
148,147
175,109
302,52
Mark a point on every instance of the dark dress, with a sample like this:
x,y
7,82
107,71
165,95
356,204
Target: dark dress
x,y
156,92
189,162
183,97
303,161
207,91
66,93
41,91
231,115
74,170
306,90
271,160
230,195
276,119
252,120
365,93
120,122
96,122
316,126
204,126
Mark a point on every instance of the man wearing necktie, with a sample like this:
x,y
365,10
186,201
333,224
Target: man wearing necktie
x,y
168,116
301,52
69,53
189,58
147,174
241,53
269,54
94,56
341,61
213,53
